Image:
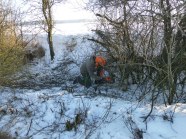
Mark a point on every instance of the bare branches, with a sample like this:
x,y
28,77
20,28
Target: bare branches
x,y
140,35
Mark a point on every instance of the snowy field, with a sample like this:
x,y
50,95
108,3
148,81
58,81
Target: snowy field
x,y
56,113
43,114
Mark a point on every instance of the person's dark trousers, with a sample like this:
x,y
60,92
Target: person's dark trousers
x,y
99,71
85,81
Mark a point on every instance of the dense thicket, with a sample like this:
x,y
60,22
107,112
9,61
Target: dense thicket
x,y
147,39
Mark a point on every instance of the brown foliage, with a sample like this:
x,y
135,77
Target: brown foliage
x,y
33,51
4,135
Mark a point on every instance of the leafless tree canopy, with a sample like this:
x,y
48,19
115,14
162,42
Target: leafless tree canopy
x,y
146,39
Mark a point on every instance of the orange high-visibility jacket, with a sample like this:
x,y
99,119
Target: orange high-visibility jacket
x,y
89,67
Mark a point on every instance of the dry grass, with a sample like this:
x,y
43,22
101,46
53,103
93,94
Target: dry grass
x,y
11,48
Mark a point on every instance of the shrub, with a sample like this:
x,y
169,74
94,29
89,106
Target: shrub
x,y
11,46
32,51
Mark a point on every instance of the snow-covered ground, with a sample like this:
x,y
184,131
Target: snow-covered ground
x,y
50,113
43,114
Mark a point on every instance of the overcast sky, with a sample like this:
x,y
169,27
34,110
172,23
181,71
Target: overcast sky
x,y
72,9
69,10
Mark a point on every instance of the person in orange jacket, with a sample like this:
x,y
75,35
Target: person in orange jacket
x,y
92,71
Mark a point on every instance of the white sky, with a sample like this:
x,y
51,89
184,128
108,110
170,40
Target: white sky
x,y
70,10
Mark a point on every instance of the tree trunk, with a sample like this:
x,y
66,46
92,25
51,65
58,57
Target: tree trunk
x,y
47,12
50,42
167,51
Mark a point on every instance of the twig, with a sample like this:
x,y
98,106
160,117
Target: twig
x,y
29,127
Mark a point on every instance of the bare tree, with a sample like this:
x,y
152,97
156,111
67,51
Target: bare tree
x,y
47,12
44,8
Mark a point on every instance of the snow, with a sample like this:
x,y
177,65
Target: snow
x,y
105,116
42,114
